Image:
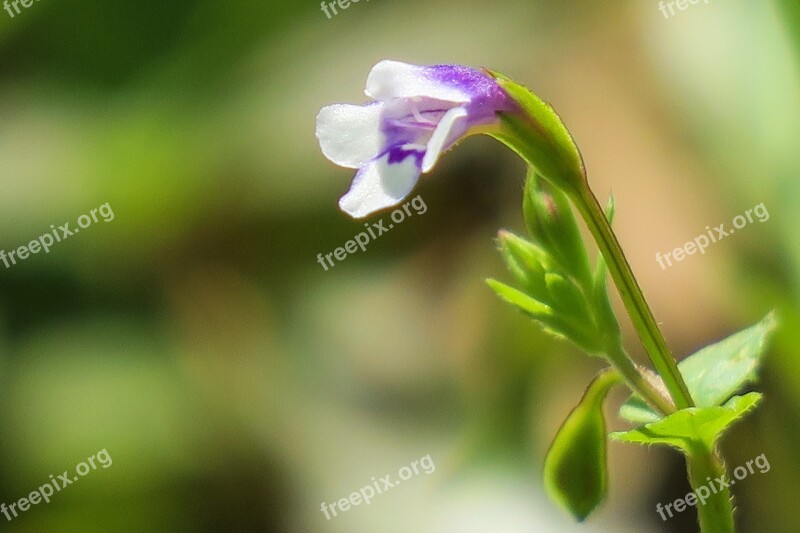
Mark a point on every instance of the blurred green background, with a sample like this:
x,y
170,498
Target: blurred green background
x,y
237,385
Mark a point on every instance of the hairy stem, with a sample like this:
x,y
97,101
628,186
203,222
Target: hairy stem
x,y
705,468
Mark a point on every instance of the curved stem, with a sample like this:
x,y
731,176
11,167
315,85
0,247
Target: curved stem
x,y
632,297
705,468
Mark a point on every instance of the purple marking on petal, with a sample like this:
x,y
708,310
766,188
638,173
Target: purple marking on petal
x,y
468,79
482,87
486,96
398,154
413,120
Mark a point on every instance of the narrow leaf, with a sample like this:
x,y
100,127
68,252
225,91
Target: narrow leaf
x,y
553,322
605,311
566,297
601,271
535,308
526,262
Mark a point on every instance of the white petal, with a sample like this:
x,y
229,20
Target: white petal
x,y
348,134
451,125
378,185
393,79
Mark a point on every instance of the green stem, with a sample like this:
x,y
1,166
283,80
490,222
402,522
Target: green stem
x,y
632,296
636,381
716,515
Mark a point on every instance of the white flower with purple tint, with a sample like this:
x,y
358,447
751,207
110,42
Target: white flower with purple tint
x,y
418,113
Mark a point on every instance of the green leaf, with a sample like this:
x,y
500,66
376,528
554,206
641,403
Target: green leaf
x,y
535,308
576,466
539,136
554,322
526,262
605,311
601,271
566,297
715,372
688,426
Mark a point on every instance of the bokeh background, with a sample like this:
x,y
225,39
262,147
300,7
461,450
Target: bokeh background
x,y
237,385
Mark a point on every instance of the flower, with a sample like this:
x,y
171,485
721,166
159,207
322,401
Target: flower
x,y
418,112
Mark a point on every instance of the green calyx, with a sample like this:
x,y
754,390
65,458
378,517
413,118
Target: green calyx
x,y
539,136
